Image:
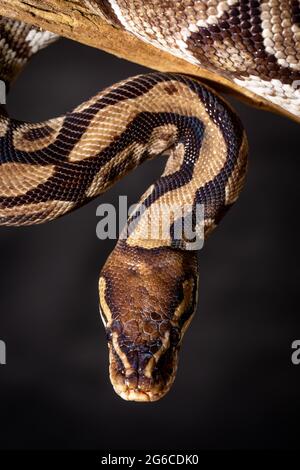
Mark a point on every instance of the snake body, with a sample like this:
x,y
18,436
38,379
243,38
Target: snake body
x,y
254,44
148,286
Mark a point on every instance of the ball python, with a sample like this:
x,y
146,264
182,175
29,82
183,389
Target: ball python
x,y
148,285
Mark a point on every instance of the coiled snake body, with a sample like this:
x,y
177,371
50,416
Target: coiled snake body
x,y
148,286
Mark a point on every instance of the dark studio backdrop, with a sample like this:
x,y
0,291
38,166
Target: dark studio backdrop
x,y
236,386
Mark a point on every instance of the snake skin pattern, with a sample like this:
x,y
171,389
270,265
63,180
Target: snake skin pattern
x,y
18,42
148,286
253,43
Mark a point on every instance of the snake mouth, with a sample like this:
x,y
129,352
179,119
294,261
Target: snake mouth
x,y
135,394
148,381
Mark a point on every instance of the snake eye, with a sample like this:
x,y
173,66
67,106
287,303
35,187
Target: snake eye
x,y
116,327
175,336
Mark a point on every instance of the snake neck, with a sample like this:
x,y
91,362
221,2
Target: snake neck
x,y
64,162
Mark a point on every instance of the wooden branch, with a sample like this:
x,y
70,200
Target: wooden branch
x,y
73,19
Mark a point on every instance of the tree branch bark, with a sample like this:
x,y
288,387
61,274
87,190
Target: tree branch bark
x,y
74,20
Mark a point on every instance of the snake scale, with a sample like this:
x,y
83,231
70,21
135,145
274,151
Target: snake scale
x,y
148,286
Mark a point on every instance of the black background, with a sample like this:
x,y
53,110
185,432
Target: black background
x,y
236,386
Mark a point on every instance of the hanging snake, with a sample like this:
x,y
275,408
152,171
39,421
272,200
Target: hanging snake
x,y
148,286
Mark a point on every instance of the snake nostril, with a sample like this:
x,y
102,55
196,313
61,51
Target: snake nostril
x,y
132,380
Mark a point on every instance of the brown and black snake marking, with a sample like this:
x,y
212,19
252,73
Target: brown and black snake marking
x,y
18,42
253,43
148,287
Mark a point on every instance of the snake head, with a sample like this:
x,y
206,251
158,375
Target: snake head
x,y
147,300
